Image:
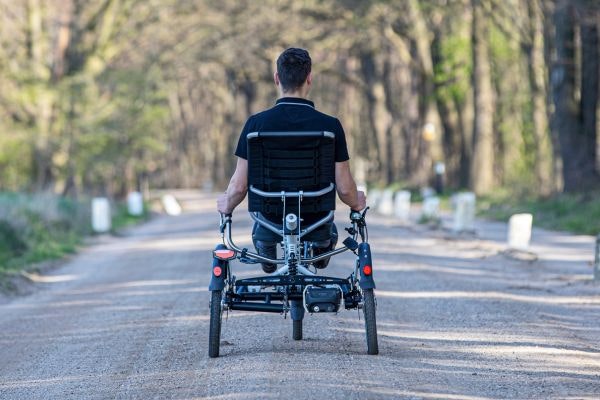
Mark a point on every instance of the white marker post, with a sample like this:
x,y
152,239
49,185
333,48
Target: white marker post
x,y
464,212
135,204
373,199
427,192
101,218
386,203
431,208
171,205
402,205
519,231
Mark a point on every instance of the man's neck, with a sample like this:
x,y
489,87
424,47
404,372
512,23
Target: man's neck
x,y
292,94
301,93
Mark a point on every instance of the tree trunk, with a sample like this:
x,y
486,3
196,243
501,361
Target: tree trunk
x,y
590,88
534,52
578,161
482,166
373,97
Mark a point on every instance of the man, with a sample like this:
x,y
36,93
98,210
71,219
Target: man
x,y
293,112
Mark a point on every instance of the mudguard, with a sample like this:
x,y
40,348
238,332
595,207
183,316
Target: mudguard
x,y
218,282
364,258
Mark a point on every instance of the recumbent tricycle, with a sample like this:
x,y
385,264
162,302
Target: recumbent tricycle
x,y
290,173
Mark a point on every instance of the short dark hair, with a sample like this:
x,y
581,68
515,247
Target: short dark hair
x,y
293,67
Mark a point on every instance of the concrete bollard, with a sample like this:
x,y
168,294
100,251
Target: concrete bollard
x,y
386,203
431,207
373,199
464,212
427,192
519,231
597,260
101,218
171,205
135,204
402,205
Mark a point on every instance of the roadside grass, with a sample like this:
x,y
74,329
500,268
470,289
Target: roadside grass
x,y
577,212
35,228
42,227
122,219
570,212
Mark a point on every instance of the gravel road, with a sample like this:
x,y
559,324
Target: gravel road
x,y
458,318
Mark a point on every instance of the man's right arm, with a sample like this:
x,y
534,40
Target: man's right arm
x,y
346,187
237,189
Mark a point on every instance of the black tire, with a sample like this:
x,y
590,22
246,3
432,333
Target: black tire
x,y
214,335
370,321
297,329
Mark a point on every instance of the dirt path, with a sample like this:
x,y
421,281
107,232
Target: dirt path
x,y
457,319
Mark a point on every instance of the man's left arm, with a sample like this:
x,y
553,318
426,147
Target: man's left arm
x,y
236,190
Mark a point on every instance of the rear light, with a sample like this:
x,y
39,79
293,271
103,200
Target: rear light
x,y
367,270
224,254
217,271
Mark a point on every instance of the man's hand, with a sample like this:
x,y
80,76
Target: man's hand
x,y
223,204
362,200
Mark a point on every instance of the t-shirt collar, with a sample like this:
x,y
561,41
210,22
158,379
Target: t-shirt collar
x,y
295,101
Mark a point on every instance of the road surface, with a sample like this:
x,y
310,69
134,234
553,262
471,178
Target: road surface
x,y
458,318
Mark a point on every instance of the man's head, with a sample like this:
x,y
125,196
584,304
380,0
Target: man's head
x,y
293,70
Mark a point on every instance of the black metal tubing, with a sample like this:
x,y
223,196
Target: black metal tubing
x,y
292,280
284,134
283,193
262,307
266,296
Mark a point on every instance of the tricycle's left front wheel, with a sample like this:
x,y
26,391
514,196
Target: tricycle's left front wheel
x,y
214,336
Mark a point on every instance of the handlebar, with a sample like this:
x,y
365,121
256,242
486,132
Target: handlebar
x,y
358,228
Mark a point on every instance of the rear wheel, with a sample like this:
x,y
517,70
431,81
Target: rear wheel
x,y
297,329
370,321
214,335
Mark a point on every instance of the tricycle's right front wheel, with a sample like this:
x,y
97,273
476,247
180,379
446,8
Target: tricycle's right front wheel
x,y
214,335
370,321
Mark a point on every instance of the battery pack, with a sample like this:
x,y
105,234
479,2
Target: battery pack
x,y
322,299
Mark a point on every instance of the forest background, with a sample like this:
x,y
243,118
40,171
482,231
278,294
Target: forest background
x,y
101,97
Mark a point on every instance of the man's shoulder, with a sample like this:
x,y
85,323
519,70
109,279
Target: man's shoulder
x,y
327,117
259,116
333,124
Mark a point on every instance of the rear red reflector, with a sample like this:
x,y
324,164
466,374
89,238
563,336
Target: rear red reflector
x,y
224,254
367,270
217,271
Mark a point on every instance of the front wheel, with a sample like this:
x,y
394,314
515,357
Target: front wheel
x,y
214,335
370,321
297,329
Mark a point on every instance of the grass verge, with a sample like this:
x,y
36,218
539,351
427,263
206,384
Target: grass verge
x,y
572,212
42,227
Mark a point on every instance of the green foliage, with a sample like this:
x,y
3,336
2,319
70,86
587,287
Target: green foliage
x,y
122,219
158,90
452,73
39,227
35,228
11,244
578,213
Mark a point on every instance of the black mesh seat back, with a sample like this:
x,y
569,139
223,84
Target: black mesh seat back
x,y
291,162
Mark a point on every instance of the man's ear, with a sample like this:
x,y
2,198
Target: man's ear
x,y
309,79
276,78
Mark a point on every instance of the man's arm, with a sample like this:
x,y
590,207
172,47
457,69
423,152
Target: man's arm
x,y
346,187
237,189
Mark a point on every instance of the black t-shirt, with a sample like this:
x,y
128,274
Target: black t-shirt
x,y
294,114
